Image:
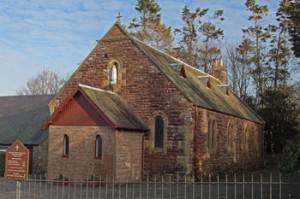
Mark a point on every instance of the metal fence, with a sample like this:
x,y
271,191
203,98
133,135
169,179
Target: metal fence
x,y
211,187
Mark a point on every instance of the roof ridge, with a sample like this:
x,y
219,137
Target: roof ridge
x,y
15,96
96,89
174,58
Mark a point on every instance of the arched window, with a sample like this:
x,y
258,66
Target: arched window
x,y
230,137
98,147
245,139
66,146
113,73
159,132
212,135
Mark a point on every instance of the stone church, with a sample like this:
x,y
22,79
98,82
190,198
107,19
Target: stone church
x,y
130,111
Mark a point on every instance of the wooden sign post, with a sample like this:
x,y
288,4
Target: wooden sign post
x,y
17,164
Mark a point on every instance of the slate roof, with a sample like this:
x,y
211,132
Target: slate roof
x,y
193,87
21,117
114,108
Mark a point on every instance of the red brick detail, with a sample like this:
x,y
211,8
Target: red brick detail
x,y
78,111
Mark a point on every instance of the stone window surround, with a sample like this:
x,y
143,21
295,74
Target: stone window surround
x,y
245,138
98,156
212,149
152,132
110,65
231,139
66,145
94,148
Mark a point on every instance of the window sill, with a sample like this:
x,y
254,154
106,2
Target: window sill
x,y
158,150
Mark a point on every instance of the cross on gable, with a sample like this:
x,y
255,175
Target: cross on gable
x,y
119,16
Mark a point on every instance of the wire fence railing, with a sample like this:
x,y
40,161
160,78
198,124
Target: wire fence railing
x,y
183,187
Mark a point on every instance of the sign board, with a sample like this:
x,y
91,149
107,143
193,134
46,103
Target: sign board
x,y
17,161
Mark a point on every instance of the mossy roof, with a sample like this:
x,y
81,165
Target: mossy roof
x,y
21,117
196,90
114,108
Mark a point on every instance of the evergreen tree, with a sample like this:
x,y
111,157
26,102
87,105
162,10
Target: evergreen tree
x,y
280,112
149,28
190,35
279,53
210,48
199,36
257,34
292,9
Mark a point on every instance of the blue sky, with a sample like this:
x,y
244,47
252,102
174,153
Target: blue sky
x,y
58,34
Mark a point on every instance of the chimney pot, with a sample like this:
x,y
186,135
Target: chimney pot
x,y
219,70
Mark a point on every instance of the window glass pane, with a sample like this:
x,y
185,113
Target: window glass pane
x,y
114,74
209,135
66,145
159,132
98,146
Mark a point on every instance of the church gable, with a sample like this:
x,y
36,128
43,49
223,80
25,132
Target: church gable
x,y
94,68
77,112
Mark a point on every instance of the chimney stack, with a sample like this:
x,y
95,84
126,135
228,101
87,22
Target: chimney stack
x,y
219,70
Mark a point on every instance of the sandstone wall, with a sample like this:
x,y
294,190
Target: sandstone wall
x,y
128,156
222,159
40,158
81,163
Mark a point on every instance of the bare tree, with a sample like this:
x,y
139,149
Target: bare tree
x,y
238,60
45,82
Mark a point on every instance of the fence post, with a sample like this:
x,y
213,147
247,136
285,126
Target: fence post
x,y
184,186
147,187
234,185
218,182
141,188
162,187
18,190
51,189
113,187
177,187
63,187
120,191
126,189
252,190
106,191
261,186
271,185
133,190
193,187
99,188
81,184
34,184
81,188
87,188
226,186
243,185
209,188
155,186
201,187
75,190
170,191
279,185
